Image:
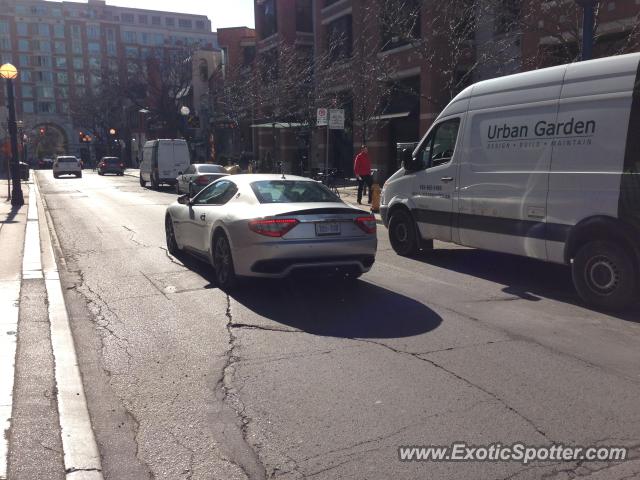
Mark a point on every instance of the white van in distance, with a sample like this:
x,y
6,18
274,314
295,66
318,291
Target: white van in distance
x,y
163,161
544,164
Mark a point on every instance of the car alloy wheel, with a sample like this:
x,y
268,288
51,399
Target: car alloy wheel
x,y
223,263
172,244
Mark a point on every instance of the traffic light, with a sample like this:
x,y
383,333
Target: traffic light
x,y
42,131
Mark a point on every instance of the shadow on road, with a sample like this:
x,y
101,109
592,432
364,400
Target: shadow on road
x,y
338,309
526,278
328,307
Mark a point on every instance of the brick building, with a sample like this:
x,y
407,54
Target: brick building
x,y
62,48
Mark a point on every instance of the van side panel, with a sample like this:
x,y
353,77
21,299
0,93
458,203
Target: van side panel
x,y
504,172
589,151
629,204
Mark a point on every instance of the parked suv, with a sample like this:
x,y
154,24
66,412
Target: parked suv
x,y
110,165
67,165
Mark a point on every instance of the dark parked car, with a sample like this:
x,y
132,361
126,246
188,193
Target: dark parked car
x,y
110,165
45,164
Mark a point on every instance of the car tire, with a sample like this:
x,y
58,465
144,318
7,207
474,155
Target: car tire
x,y
226,278
79,175
55,175
143,183
604,275
403,234
170,235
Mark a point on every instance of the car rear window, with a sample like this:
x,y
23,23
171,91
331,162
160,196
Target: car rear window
x,y
67,159
211,169
113,160
292,191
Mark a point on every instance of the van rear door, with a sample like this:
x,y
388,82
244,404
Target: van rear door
x,y
181,158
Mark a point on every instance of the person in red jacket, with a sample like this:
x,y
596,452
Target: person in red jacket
x,y
362,171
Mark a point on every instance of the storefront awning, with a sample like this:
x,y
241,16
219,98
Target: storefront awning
x,y
391,116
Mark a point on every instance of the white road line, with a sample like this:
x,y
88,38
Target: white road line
x,y
81,455
9,298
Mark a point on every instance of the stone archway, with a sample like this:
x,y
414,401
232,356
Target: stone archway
x,y
48,140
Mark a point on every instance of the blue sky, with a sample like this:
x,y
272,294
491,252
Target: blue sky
x,y
222,13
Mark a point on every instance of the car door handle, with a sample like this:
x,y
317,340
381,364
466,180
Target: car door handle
x,y
447,179
203,217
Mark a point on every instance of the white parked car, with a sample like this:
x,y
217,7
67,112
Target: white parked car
x,y
67,165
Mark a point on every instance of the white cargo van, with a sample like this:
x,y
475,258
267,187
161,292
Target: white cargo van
x,y
163,161
544,164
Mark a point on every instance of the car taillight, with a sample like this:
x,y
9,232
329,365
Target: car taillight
x,y
203,180
367,224
275,227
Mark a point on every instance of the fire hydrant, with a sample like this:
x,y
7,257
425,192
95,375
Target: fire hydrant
x,y
375,198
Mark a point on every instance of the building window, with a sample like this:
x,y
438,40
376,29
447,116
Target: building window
x,y
46,107
22,10
75,31
143,19
64,107
27,91
4,27
113,64
507,18
170,22
22,28
42,61
27,106
58,31
131,52
93,32
61,62
80,92
156,20
5,43
60,46
23,60
304,16
111,48
45,91
93,48
63,92
76,46
248,55
184,23
126,17
43,76
79,78
200,25
129,37
44,30
78,64
63,77
39,10
269,18
340,38
401,25
56,12
25,75
94,63
42,46
23,45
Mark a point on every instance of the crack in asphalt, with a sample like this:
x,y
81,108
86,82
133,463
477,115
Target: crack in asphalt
x,y
249,326
461,378
132,237
171,258
244,455
192,454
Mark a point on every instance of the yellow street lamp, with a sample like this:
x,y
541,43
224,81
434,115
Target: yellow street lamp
x,y
10,73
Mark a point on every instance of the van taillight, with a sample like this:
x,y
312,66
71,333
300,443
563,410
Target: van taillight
x,y
275,227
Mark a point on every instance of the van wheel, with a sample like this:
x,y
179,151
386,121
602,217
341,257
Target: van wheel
x,y
403,234
604,275
143,183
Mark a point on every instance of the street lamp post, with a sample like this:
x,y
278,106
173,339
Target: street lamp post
x,y
588,7
10,73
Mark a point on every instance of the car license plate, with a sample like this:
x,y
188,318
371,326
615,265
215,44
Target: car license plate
x,y
327,228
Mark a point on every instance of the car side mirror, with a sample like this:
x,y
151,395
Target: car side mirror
x,y
184,199
409,163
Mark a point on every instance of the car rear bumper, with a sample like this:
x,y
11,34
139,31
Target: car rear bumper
x,y
67,172
281,259
111,170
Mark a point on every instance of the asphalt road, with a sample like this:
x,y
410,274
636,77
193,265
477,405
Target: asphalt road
x,y
311,380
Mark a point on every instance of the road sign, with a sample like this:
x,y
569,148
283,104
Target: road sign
x,y
336,119
323,117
